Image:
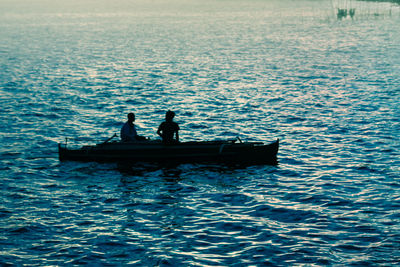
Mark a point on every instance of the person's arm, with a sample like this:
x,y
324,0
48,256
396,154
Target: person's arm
x,y
137,137
134,132
177,132
123,133
159,130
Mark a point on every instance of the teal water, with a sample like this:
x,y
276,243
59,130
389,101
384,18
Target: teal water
x,y
328,88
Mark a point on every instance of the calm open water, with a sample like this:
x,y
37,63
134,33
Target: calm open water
x,y
328,88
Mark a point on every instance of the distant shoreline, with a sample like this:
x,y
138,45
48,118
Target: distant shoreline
x,y
392,1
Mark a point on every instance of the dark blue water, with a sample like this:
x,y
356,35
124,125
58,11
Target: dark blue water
x,y
261,70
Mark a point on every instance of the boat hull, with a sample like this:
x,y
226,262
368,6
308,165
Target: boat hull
x,y
188,152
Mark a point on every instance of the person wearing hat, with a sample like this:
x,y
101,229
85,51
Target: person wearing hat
x,y
168,129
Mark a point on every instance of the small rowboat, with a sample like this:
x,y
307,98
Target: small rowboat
x,y
230,152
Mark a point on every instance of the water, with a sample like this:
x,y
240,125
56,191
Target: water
x,y
328,88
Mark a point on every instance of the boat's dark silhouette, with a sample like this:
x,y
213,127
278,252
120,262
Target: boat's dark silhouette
x,y
230,152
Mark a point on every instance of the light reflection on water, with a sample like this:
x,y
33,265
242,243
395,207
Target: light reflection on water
x,y
262,70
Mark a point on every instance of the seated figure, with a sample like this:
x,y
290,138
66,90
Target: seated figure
x,y
128,130
168,129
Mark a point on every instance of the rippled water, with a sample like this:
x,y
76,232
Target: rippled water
x,y
328,88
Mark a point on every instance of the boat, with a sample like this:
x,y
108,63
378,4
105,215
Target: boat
x,y
221,151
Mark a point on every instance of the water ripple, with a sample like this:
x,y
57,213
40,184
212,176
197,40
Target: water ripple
x,y
259,70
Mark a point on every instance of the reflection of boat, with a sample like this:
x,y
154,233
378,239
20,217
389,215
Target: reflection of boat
x,y
248,153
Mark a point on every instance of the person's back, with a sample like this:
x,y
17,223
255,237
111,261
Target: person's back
x,y
168,129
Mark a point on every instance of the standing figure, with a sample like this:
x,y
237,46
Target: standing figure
x,y
128,130
168,129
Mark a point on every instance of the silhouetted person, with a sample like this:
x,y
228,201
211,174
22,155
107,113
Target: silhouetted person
x,y
128,131
168,129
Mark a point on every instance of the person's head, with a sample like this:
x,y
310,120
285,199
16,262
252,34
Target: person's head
x,y
131,117
169,116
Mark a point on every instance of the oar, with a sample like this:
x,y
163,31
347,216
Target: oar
x,y
109,139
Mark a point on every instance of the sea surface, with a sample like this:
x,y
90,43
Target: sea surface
x,y
327,87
